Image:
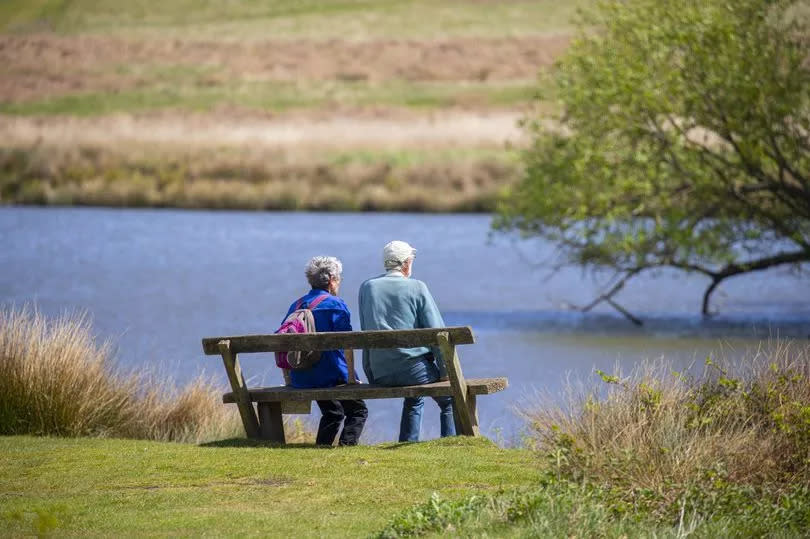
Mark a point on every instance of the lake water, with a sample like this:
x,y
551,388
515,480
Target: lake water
x,y
156,281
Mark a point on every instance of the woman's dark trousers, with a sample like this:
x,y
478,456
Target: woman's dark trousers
x,y
332,413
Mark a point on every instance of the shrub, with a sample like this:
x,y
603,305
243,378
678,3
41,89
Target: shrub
x,y
654,428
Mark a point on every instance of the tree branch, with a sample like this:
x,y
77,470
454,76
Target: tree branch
x,y
731,270
607,297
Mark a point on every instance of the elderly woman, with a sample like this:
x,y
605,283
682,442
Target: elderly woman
x,y
394,300
324,274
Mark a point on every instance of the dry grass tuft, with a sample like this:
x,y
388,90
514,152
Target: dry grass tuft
x,y
750,424
55,379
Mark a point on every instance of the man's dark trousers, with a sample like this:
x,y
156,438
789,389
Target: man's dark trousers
x,y
333,412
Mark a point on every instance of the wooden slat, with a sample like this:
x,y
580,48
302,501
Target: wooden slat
x,y
239,388
461,409
405,338
296,407
475,386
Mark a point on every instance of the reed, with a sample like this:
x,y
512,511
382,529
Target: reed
x,y
57,379
254,179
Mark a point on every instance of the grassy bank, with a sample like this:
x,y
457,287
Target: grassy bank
x,y
651,454
113,487
244,178
470,488
658,454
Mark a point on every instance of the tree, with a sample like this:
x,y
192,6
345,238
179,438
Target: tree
x,y
683,141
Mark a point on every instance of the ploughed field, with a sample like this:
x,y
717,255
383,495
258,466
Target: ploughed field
x,y
395,106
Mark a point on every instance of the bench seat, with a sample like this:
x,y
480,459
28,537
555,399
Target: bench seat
x,y
475,386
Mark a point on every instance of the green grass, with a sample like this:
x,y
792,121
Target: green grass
x,y
278,97
559,508
408,157
456,486
256,19
107,487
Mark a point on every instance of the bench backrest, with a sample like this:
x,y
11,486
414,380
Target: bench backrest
x,y
354,340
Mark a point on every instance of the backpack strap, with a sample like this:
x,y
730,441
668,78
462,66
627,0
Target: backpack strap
x,y
312,304
315,302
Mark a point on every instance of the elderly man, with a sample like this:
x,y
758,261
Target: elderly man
x,y
324,274
395,301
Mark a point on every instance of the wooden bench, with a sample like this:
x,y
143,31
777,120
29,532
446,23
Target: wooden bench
x,y
272,402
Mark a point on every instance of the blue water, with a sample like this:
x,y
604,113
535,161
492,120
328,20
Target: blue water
x,y
156,281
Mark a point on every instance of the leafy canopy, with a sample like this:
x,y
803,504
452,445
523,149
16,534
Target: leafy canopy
x,y
683,140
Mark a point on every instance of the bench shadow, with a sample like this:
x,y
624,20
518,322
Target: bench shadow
x,y
398,445
244,442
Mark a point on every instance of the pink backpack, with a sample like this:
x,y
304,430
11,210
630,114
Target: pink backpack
x,y
299,321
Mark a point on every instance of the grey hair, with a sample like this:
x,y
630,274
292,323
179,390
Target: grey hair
x,y
321,269
392,264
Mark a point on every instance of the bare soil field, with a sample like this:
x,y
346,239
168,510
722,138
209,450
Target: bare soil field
x,y
44,65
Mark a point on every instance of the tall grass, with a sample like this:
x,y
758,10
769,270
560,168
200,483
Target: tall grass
x,y
56,379
744,423
252,180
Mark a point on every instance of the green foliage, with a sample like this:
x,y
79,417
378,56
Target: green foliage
x,y
436,514
558,509
683,140
564,508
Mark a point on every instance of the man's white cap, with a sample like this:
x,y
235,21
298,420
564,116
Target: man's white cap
x,y
397,251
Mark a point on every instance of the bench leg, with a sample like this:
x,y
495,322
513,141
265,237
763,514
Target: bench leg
x,y
473,411
472,414
239,388
271,424
465,424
